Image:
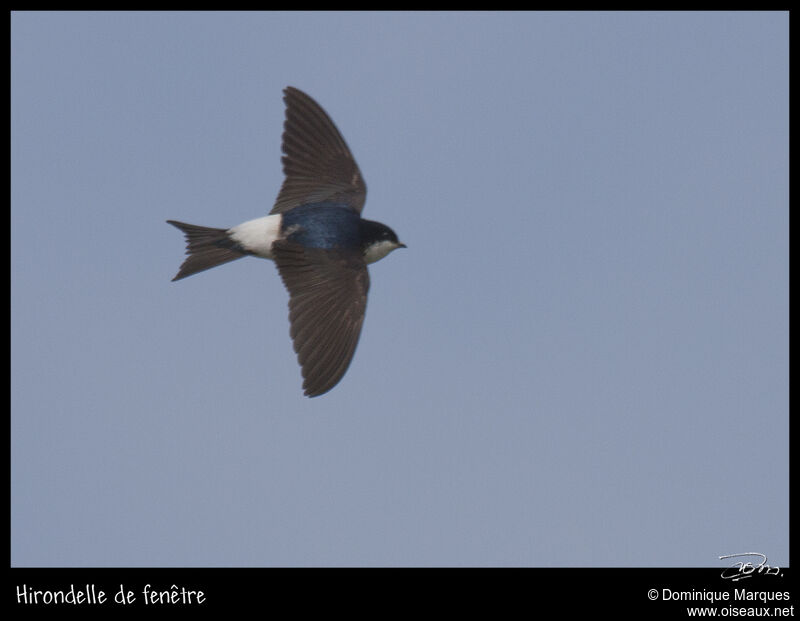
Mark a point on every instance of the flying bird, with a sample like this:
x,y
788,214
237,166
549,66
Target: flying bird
x,y
317,238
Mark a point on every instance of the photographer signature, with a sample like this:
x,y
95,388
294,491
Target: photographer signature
x,y
741,569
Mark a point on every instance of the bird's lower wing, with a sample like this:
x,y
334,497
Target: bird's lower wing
x,y
328,299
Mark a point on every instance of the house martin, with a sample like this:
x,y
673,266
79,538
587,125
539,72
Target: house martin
x,y
317,238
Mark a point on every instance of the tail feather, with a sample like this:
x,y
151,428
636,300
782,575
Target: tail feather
x,y
206,247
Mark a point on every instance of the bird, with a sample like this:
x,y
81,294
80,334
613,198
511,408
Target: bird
x,y
317,238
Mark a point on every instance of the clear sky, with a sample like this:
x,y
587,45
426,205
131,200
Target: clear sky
x,y
580,360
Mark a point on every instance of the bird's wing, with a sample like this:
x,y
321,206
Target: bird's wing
x,y
327,301
317,163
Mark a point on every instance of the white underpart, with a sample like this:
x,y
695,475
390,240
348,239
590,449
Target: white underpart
x,y
378,250
257,235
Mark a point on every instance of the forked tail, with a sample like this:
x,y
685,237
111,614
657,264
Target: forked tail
x,y
206,247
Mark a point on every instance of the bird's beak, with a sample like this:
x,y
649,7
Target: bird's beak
x,y
401,245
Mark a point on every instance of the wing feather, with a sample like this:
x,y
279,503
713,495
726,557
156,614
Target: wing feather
x,y
327,302
317,162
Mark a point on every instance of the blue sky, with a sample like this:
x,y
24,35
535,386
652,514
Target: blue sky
x,y
580,360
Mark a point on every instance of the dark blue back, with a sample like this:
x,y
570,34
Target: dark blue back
x,y
323,225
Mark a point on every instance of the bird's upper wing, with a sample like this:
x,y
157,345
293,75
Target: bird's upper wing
x,y
327,301
317,163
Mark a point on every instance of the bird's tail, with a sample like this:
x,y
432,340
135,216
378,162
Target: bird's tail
x,y
206,247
